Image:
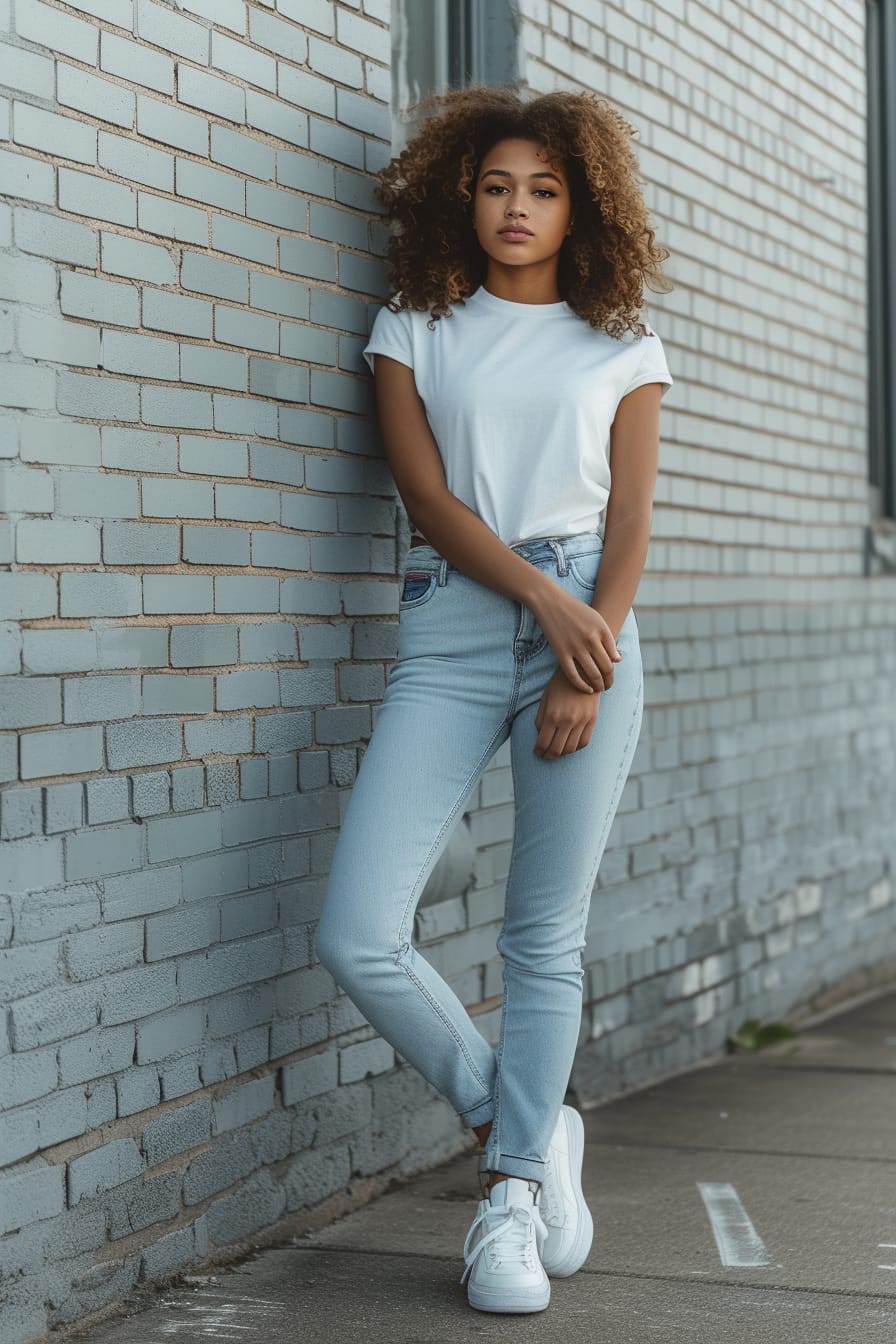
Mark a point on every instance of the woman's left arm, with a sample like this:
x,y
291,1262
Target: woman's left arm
x,y
566,716
634,462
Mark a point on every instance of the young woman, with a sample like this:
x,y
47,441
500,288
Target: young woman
x,y
513,378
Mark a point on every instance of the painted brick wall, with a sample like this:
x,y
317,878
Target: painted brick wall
x,y
198,605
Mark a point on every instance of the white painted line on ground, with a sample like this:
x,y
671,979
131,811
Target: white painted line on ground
x,y
740,1245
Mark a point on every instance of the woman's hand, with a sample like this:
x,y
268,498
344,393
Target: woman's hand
x,y
565,718
580,637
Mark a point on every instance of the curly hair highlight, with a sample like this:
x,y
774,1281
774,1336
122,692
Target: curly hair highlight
x,y
434,256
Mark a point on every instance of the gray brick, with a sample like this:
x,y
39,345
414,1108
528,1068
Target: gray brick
x,y
342,724
138,993
176,407
52,1015
308,428
103,1169
157,214
139,450
314,685
267,641
340,555
173,32
214,368
279,550
94,196
245,153
308,513
180,931
281,380
28,386
137,260
47,439
26,71
213,457
48,131
101,300
302,257
312,597
245,240
169,693
24,1078
61,751
279,295
308,343
248,503
27,702
50,236
335,142
170,1033
210,275
210,93
27,178
230,965
26,596
95,1054
276,117
247,690
309,1077
210,645
216,545
180,837
51,338
362,683
137,62
73,36
96,494
103,398
107,800
241,60
140,544
176,313
177,1131
86,92
130,646
139,1204
136,162
259,332
137,1090
149,356
282,732
335,63
242,1104
249,592
198,182
151,793
323,640
220,782
94,594
375,640
143,742
188,788
194,499
30,1194
64,811
283,38
103,850
28,968
306,173
225,736
141,893
184,1246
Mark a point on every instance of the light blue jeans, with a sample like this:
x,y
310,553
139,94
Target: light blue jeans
x,y
471,668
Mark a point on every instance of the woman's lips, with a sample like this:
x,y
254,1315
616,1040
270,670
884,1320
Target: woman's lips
x,y
515,235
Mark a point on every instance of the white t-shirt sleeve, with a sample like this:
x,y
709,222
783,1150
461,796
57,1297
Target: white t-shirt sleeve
x,y
652,367
391,335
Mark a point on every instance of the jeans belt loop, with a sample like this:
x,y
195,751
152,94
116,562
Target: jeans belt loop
x,y
443,572
559,550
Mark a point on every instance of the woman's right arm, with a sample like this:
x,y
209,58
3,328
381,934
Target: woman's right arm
x,y
581,638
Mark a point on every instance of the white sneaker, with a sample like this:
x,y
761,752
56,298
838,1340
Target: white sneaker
x,y
570,1228
502,1252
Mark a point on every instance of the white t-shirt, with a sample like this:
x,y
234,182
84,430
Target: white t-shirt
x,y
520,398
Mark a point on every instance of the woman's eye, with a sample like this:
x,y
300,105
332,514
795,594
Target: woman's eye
x,y
539,191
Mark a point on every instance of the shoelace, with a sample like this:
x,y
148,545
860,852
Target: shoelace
x,y
513,1224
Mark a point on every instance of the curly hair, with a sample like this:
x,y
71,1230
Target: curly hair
x,y
434,257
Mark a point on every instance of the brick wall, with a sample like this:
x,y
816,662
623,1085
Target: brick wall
x,y
198,606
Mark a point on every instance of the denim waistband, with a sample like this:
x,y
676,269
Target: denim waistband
x,y
535,550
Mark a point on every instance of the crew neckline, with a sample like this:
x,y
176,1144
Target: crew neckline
x,y
510,308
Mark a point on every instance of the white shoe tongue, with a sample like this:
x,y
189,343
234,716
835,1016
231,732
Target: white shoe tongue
x,y
511,1191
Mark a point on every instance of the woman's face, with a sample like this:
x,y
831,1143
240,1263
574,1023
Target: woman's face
x,y
517,185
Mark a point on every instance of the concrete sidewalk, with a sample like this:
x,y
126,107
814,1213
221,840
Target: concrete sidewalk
x,y
751,1200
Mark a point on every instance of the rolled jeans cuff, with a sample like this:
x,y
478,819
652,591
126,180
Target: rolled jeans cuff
x,y
528,1168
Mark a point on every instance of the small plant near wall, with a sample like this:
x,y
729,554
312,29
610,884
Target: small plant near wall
x,y
753,1035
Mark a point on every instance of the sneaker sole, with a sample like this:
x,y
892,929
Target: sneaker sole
x,y
514,1302
577,1254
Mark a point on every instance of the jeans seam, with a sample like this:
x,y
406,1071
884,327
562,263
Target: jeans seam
x,y
411,902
